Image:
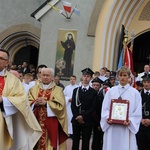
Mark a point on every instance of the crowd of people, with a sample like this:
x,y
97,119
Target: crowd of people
x,y
39,112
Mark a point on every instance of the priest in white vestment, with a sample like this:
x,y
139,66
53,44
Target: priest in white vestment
x,y
146,71
68,97
121,136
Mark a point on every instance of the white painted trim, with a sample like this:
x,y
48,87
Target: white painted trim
x,y
109,48
104,34
110,36
45,9
125,18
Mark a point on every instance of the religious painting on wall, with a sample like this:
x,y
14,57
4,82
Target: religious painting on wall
x,y
66,44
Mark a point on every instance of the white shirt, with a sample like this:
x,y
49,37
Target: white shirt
x,y
146,91
68,91
26,87
87,87
139,77
2,73
103,78
68,95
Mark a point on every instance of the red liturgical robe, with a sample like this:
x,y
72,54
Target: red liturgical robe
x,y
53,128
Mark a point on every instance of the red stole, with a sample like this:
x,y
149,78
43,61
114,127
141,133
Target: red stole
x,y
2,82
50,125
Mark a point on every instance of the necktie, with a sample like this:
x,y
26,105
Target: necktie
x,y
84,89
147,93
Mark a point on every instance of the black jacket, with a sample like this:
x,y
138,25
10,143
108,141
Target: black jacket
x,y
145,109
87,100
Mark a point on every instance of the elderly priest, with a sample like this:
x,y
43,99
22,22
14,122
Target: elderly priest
x,y
49,106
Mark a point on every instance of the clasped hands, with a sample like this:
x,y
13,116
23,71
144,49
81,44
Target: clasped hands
x,y
70,100
145,122
40,101
80,119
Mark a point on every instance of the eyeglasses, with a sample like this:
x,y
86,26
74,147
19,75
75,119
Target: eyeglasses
x,y
1,58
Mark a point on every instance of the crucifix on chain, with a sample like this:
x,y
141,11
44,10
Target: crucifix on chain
x,y
148,59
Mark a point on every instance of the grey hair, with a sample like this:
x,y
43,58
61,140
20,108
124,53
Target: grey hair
x,y
51,70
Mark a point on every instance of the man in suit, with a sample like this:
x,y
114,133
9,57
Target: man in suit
x,y
97,131
57,82
146,71
143,136
112,78
25,68
83,106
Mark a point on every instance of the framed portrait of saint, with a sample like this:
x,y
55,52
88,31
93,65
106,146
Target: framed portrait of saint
x,y
119,111
66,45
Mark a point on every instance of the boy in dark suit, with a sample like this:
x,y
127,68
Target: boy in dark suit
x,y
83,106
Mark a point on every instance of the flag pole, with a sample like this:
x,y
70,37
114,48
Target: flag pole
x,y
73,10
125,44
66,15
63,15
56,9
125,38
132,40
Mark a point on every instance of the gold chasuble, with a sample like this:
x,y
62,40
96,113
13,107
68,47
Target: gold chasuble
x,y
54,128
5,139
21,130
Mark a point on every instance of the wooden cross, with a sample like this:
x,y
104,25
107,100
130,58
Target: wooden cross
x,y
148,59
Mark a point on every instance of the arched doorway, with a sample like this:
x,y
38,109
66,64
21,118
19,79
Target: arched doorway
x,y
141,51
28,54
22,46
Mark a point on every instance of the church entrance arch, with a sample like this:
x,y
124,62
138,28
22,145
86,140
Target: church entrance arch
x,y
22,46
28,54
141,51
